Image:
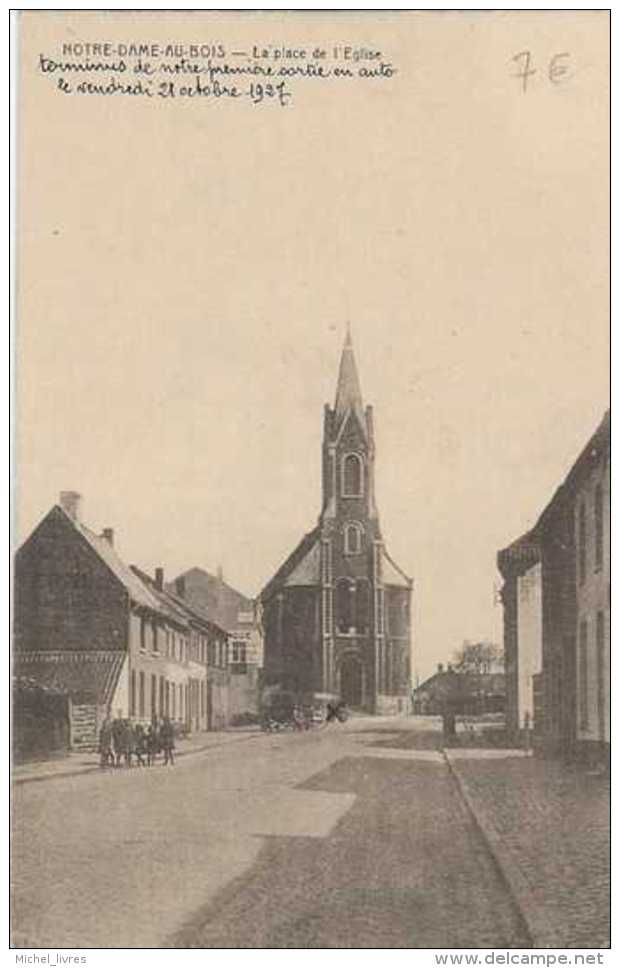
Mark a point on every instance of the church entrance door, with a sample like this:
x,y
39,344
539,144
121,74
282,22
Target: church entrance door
x,y
351,680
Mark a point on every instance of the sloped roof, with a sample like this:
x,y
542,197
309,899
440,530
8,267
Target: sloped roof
x,y
598,444
164,601
524,551
308,570
213,597
87,674
288,567
184,612
449,681
392,574
104,549
348,390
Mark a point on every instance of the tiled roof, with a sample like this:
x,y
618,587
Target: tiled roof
x,y
164,601
184,611
87,675
103,548
288,566
213,596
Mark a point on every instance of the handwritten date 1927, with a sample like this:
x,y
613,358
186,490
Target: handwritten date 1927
x,y
257,92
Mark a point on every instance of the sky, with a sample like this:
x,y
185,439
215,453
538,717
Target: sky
x,y
186,273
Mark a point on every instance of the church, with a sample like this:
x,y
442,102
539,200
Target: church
x,y
337,613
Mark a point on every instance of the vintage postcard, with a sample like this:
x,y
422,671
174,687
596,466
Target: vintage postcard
x,y
311,624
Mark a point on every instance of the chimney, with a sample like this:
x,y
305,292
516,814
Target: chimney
x,y
440,667
159,579
180,586
108,534
70,503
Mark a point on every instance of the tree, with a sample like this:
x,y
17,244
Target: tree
x,y
479,657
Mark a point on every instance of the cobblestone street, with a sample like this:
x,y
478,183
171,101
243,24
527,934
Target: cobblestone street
x,y
551,826
351,836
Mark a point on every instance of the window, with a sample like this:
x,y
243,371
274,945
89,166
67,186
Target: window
x,y
353,539
142,634
132,693
362,605
583,674
582,542
173,691
239,657
155,638
153,696
141,696
600,672
352,476
598,527
345,590
162,696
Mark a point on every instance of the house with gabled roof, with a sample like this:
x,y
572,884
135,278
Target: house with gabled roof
x,y
556,599
104,634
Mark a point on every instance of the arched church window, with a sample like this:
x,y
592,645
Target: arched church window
x,y
362,605
353,535
344,604
352,478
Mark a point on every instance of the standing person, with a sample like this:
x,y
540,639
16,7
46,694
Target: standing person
x,y
152,742
118,731
128,741
139,743
166,737
105,743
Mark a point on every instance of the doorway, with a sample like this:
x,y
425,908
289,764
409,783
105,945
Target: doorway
x,y
351,680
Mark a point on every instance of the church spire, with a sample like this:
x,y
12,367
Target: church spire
x,y
348,392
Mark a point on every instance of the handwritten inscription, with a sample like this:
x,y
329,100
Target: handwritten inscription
x,y
557,68
262,74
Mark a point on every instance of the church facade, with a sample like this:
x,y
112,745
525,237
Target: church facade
x,y
337,613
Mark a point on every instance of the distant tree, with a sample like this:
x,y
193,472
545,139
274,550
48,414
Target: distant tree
x,y
479,657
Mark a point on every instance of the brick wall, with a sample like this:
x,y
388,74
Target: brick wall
x,y
65,597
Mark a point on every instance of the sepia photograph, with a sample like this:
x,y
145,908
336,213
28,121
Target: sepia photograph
x,y
311,482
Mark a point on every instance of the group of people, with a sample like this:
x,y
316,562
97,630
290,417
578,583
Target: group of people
x,y
121,741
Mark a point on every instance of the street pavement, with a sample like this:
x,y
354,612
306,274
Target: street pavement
x,y
549,826
352,836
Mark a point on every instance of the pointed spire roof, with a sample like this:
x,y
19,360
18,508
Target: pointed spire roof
x,y
348,392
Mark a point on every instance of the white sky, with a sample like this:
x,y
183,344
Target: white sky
x,y
185,277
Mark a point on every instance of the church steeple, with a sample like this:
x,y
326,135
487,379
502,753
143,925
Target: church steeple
x,y
348,448
348,391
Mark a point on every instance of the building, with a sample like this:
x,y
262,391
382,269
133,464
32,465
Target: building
x,y
520,566
100,636
556,600
238,614
462,693
202,672
337,613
